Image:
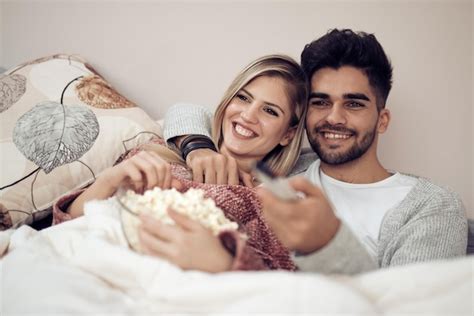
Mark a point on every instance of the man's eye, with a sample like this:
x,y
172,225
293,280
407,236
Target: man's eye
x,y
319,103
271,111
355,105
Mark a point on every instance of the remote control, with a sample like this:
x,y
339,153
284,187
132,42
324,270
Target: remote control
x,y
277,185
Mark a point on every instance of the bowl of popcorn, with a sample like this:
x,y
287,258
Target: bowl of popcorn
x,y
155,202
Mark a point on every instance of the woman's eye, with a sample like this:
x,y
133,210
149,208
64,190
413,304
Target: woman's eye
x,y
271,111
243,97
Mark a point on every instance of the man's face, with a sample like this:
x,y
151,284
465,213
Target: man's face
x,y
342,121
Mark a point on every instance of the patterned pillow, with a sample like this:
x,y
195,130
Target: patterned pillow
x,y
61,125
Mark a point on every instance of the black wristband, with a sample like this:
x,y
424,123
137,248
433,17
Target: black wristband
x,y
192,138
193,142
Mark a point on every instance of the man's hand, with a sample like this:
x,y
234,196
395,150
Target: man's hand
x,y
211,167
305,225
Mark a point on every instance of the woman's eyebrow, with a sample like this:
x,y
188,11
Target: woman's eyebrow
x,y
267,103
250,95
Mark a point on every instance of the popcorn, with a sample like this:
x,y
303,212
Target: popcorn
x,y
155,202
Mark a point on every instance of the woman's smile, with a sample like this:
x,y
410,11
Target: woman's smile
x,y
243,131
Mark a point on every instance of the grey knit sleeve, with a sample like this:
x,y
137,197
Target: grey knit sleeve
x,y
344,254
431,224
187,119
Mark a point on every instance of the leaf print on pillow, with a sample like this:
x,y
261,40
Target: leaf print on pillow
x,y
12,88
96,92
52,135
5,218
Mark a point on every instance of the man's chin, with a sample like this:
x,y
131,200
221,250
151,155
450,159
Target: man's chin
x,y
333,157
333,161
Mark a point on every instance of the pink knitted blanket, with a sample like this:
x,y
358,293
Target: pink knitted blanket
x,y
241,205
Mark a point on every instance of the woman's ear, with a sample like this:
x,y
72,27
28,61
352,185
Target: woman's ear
x,y
290,133
384,120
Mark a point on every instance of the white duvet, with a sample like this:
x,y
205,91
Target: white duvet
x,y
85,267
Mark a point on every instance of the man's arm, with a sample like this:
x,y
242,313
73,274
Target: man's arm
x,y
344,254
187,119
207,165
431,224
309,227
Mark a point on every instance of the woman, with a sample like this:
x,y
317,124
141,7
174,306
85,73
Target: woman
x,y
261,117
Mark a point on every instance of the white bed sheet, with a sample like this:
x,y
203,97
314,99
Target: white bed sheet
x,y
84,266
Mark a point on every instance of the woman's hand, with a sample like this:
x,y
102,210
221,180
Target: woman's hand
x,y
143,171
188,244
247,179
211,167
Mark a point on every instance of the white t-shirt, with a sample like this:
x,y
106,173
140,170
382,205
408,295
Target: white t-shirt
x,y
362,206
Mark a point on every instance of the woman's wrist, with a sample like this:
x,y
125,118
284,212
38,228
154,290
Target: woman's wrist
x,y
104,187
193,142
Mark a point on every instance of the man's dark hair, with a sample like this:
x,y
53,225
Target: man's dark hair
x,y
340,48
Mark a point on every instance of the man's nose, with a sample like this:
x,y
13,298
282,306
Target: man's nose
x,y
336,115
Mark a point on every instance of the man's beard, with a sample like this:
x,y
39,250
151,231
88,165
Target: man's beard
x,y
353,153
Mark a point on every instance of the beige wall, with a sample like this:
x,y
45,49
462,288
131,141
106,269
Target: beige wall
x,y
161,52
1,34
472,111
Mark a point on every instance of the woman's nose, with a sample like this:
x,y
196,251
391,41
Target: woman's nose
x,y
250,113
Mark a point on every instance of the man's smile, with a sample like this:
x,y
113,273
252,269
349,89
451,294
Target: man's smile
x,y
329,135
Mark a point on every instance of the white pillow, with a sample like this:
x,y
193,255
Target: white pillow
x,y
61,125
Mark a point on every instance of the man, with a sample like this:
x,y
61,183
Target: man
x,y
356,216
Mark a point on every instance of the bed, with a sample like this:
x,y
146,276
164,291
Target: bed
x,y
85,266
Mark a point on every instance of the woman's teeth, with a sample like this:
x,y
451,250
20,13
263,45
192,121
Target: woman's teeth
x,y
243,131
336,136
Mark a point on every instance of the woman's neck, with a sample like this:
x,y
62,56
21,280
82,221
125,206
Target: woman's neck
x,y
245,164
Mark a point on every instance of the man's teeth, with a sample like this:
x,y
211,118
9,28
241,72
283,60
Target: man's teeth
x,y
336,136
243,131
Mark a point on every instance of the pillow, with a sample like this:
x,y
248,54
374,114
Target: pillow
x,y
61,124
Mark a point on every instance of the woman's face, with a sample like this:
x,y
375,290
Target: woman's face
x,y
257,119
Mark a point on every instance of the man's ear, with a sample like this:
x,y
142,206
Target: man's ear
x,y
384,120
290,133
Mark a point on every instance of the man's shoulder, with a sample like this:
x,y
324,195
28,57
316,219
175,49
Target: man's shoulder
x,y
428,188
428,197
306,158
427,203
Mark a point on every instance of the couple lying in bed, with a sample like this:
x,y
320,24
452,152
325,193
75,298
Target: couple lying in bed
x,y
366,218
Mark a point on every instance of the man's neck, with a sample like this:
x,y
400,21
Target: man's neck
x,y
360,171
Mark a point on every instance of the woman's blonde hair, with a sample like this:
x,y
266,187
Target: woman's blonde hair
x,y
282,158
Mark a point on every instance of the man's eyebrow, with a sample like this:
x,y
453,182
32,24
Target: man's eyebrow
x,y
268,103
356,96
318,95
